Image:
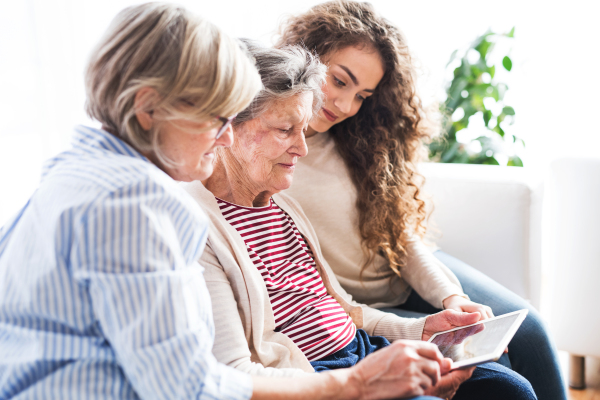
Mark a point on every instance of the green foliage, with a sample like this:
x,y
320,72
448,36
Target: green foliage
x,y
476,92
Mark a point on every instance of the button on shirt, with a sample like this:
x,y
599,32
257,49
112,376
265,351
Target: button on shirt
x,y
101,295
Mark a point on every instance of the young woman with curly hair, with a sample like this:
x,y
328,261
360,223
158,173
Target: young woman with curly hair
x,y
364,146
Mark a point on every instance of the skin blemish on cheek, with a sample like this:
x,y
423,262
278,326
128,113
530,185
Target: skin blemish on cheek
x,y
259,135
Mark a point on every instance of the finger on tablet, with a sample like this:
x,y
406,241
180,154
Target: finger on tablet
x,y
431,352
446,366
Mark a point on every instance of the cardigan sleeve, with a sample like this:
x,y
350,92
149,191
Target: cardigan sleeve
x,y
231,344
432,280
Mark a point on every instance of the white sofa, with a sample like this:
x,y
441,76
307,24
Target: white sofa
x,y
489,217
572,214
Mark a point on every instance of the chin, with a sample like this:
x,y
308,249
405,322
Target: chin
x,y
320,125
198,174
283,184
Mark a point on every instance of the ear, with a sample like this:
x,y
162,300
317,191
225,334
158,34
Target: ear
x,y
144,102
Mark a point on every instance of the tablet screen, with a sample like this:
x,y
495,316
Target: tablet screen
x,y
475,341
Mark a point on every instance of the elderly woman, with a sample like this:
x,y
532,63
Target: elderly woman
x,y
279,310
101,295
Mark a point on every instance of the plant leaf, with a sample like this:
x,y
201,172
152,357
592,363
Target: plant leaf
x,y
507,63
515,162
452,57
487,115
508,110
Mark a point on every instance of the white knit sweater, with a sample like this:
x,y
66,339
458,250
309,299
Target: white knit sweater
x,y
323,187
245,336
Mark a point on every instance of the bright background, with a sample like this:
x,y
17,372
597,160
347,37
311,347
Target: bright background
x,y
554,85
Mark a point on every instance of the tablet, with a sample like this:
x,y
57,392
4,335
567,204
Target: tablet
x,y
481,342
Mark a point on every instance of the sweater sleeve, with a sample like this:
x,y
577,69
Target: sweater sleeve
x,y
231,345
374,321
432,280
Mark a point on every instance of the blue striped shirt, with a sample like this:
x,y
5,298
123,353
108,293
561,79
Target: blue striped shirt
x,y
101,295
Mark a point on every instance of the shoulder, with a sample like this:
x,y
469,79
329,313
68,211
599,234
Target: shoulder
x,y
103,183
296,213
288,203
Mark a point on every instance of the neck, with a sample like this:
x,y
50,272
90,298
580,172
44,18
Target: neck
x,y
230,182
310,132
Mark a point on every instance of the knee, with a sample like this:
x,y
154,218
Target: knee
x,y
495,382
534,325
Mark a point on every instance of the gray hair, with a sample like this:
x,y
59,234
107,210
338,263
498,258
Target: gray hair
x,y
284,72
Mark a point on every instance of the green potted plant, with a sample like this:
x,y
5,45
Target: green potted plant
x,y
474,94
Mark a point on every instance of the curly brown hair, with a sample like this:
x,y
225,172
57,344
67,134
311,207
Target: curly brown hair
x,y
382,143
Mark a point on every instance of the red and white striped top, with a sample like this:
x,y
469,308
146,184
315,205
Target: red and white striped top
x,y
303,309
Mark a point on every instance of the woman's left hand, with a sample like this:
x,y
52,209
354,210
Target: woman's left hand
x,y
460,304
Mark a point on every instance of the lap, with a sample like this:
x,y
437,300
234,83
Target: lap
x,y
493,381
361,346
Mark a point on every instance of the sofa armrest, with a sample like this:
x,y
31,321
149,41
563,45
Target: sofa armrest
x,y
490,218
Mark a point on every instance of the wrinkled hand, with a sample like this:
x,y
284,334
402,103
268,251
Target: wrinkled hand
x,y
406,368
461,304
449,382
446,320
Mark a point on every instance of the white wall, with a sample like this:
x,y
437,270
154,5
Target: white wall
x,y
44,46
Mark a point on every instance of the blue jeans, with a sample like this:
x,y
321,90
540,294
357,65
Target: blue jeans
x,y
361,346
531,352
489,381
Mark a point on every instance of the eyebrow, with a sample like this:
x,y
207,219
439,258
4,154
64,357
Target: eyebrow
x,y
351,75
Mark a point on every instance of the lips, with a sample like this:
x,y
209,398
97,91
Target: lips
x,y
331,117
290,166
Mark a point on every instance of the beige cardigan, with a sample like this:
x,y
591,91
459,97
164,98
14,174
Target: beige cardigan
x,y
334,217
245,336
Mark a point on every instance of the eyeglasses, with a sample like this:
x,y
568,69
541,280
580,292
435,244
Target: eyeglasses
x,y
226,122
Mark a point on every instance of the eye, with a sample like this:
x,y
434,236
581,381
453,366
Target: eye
x,y
285,130
338,82
361,97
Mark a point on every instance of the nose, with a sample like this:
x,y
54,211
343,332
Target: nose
x,y
226,139
343,103
300,148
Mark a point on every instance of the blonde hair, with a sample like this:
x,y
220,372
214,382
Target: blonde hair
x,y
179,55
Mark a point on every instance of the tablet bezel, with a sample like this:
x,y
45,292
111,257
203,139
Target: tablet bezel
x,y
497,352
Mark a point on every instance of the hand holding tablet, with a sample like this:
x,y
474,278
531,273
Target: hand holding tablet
x,y
480,342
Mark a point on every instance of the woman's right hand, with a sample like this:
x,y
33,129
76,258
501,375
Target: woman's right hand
x,y
404,369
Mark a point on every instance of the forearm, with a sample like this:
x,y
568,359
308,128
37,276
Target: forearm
x,y
333,385
429,276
